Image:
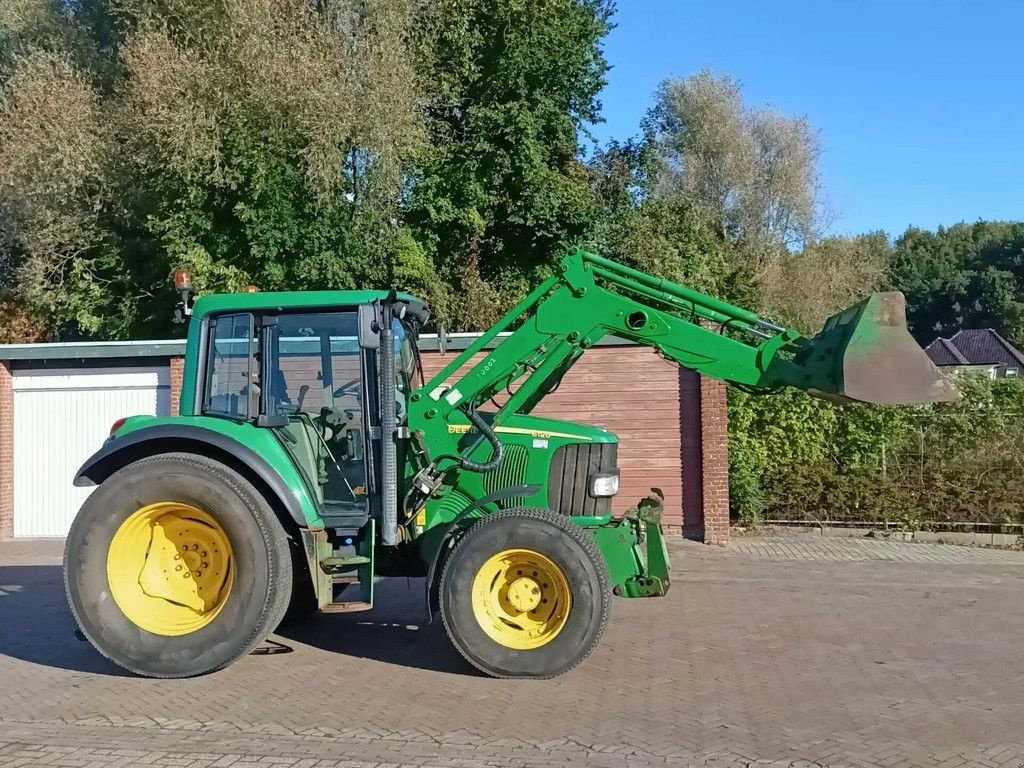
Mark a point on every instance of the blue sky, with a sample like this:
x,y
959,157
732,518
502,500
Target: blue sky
x,y
919,104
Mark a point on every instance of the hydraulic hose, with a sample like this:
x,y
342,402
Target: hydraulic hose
x,y
431,476
498,449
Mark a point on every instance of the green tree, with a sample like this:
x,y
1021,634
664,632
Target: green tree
x,y
345,142
500,193
752,171
804,289
665,235
963,276
250,141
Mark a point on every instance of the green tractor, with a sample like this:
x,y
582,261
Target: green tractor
x,y
310,459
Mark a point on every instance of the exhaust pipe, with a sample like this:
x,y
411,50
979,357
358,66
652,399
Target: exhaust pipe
x,y
388,427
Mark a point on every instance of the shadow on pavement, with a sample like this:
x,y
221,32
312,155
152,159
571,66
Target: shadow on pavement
x,y
396,631
36,624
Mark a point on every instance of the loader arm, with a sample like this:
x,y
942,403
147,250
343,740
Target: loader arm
x,y
863,354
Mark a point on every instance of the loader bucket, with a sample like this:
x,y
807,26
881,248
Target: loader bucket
x,y
866,354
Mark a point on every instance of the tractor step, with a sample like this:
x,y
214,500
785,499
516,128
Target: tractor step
x,y
335,563
351,578
353,607
347,569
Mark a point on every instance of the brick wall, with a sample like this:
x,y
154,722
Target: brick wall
x,y
714,423
6,451
177,366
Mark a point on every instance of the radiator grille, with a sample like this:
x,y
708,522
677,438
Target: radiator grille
x,y
511,471
571,467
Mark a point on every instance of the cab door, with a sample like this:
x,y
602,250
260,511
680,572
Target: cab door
x,y
316,377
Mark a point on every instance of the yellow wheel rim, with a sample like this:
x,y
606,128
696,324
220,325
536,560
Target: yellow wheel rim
x,y
170,568
521,599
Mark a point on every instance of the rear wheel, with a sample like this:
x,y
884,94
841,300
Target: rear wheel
x,y
176,566
525,593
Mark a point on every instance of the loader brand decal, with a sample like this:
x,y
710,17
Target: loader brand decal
x,y
488,364
461,429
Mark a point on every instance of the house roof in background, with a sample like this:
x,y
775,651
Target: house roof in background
x,y
974,346
942,352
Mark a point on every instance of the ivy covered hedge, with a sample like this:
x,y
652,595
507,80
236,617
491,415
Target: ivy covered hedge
x,y
796,458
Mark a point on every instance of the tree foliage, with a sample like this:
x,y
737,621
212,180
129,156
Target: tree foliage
x,y
752,171
54,155
248,141
335,144
963,276
804,289
501,193
722,196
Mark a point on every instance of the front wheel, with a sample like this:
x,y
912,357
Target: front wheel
x,y
525,594
176,566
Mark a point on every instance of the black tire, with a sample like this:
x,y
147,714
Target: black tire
x,y
564,543
262,566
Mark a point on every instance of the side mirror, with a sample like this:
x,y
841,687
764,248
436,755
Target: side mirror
x,y
369,329
442,339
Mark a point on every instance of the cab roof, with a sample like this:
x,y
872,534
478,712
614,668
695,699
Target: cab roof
x,y
287,300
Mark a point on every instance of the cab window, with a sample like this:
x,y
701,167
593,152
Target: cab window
x,y
232,369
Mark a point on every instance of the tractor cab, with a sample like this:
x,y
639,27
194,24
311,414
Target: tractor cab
x,y
313,378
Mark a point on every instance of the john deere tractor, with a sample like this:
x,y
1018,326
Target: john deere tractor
x,y
310,459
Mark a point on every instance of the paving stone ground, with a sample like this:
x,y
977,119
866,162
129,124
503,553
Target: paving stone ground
x,y
808,546
781,652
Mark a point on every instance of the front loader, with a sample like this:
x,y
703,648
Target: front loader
x,y
310,459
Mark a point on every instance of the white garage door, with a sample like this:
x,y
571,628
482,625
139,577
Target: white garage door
x,y
61,417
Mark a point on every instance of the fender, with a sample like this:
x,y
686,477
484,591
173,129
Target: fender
x,y
121,450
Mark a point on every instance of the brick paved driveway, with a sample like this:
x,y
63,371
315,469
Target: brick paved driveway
x,y
811,653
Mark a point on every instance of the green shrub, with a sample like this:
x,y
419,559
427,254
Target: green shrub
x,y
795,458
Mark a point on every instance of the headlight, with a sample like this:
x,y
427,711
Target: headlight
x,y
606,484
